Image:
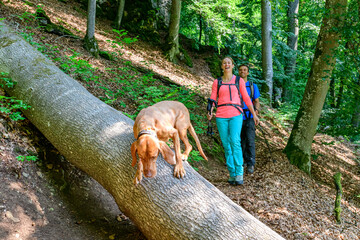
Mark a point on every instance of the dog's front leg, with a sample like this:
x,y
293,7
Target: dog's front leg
x,y
139,172
179,170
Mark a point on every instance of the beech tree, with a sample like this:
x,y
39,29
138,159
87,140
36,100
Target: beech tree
x,y
96,138
173,37
292,42
267,67
301,137
119,15
90,42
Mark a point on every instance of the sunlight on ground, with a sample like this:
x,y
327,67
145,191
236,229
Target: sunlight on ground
x,y
32,197
140,56
25,224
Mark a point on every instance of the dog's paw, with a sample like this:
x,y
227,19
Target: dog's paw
x,y
138,178
179,171
184,157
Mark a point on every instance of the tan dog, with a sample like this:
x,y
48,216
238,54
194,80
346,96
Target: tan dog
x,y
153,127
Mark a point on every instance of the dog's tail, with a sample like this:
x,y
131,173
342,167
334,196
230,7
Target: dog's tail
x,y
193,134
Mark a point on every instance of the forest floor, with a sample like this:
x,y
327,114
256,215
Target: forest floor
x,y
51,199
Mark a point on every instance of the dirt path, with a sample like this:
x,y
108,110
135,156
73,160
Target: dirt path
x,y
52,199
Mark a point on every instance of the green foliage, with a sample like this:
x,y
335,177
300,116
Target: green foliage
x,y
216,150
27,158
218,19
10,105
148,29
121,39
27,17
5,80
186,57
144,90
332,123
195,157
77,67
214,63
343,100
287,112
106,55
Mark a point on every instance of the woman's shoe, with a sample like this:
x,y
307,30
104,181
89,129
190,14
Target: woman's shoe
x,y
231,180
239,180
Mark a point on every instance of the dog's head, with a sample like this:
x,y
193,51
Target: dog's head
x,y
148,147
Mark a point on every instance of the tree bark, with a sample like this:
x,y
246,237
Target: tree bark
x,y
97,138
299,145
340,93
292,42
90,42
120,13
173,37
267,67
339,192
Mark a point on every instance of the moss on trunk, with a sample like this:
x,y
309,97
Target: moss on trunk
x,y
91,45
298,157
337,209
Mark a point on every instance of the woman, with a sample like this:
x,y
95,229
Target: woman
x,y
229,117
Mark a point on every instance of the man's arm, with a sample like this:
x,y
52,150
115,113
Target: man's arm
x,y
257,105
256,98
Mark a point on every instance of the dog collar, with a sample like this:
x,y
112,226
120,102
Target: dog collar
x,y
148,131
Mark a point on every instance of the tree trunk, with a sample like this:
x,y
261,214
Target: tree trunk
x,y
173,37
292,42
206,33
340,93
339,192
299,145
332,92
97,138
267,67
90,42
119,15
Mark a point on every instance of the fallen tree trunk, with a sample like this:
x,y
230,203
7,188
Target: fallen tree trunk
x,y
96,138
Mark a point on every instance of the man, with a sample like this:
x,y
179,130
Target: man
x,y
248,127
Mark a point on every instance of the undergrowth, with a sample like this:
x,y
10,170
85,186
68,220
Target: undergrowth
x,y
10,106
127,85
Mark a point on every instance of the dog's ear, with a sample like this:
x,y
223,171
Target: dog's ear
x,y
133,153
167,153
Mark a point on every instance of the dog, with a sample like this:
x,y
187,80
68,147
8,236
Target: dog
x,y
153,127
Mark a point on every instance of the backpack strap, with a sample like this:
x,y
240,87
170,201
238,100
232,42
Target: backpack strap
x,y
247,111
237,84
219,85
251,90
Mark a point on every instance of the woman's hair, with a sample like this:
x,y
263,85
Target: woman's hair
x,y
228,58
